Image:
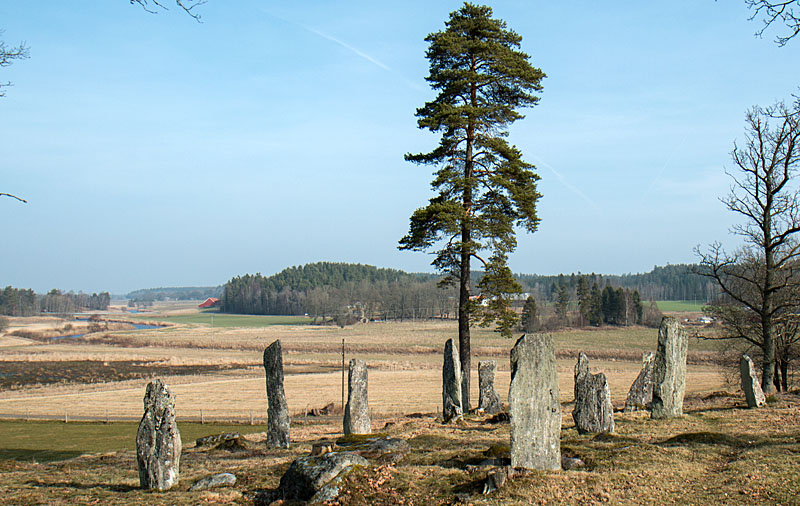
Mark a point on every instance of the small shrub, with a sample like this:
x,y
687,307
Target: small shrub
x,y
3,323
771,399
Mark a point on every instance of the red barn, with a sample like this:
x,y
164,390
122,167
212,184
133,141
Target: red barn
x,y
209,302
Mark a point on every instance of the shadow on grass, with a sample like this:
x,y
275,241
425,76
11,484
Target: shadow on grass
x,y
27,455
115,487
704,438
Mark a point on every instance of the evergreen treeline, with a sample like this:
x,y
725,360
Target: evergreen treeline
x,y
175,293
340,291
21,302
670,282
18,302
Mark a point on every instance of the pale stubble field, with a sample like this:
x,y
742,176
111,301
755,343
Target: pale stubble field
x,y
404,360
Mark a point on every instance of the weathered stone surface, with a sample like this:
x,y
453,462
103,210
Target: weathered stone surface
x,y
451,383
356,412
216,439
669,370
317,478
750,383
488,400
640,395
498,478
570,463
277,409
217,480
378,448
158,442
593,410
534,404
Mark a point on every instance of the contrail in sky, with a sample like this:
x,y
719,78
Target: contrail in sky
x,y
347,46
563,181
663,167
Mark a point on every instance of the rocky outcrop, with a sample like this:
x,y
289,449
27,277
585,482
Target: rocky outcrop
x,y
669,370
451,384
356,412
750,383
277,408
317,478
158,441
640,395
534,404
488,400
377,448
215,481
593,410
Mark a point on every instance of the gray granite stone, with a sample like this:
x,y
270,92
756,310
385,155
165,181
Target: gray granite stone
x,y
356,412
451,384
488,400
158,441
640,395
277,409
750,383
593,410
534,404
669,370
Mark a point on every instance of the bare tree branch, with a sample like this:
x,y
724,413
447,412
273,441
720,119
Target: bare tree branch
x,y
776,12
186,6
13,197
8,55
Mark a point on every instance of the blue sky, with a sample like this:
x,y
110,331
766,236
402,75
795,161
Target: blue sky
x,y
157,151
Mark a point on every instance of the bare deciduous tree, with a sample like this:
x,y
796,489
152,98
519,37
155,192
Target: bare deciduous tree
x,y
186,6
772,12
7,57
761,280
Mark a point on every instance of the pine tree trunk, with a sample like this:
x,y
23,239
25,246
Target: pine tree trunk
x,y
463,323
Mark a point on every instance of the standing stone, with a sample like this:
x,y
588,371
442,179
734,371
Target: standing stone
x,y
356,412
534,404
640,396
451,383
669,370
488,400
593,410
158,442
277,410
750,383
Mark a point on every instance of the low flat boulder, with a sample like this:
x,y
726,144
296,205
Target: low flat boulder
x,y
215,481
317,478
216,439
379,448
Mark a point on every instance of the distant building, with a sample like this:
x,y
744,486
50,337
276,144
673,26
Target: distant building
x,y
209,302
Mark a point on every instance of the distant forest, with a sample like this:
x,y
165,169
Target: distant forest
x,y
174,293
354,291
671,282
345,292
21,302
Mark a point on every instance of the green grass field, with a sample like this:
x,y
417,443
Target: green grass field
x,y
221,320
680,306
44,441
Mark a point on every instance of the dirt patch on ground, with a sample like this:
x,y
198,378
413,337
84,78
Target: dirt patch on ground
x,y
16,375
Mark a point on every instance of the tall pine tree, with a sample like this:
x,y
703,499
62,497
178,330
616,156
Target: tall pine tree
x,y
483,187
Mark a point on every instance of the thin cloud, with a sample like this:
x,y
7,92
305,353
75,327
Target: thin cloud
x,y
563,181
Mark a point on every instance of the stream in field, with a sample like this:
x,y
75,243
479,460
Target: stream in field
x,y
138,326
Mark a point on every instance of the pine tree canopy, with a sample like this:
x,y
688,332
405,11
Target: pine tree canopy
x,y
483,187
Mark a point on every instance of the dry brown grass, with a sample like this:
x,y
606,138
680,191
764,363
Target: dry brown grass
x,y
403,357
717,454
